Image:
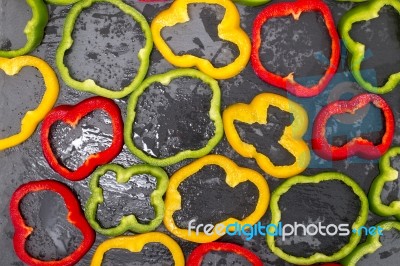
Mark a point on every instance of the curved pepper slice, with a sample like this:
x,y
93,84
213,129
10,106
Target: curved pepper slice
x,y
71,115
387,174
34,29
234,176
371,245
229,30
75,217
256,112
32,118
317,257
136,244
123,175
90,85
365,12
358,146
295,9
62,2
251,2
166,79
197,255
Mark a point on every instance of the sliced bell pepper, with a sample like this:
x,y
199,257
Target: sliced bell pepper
x,y
234,176
256,112
90,85
136,244
71,115
317,257
75,217
229,30
33,117
62,2
251,2
197,255
365,12
358,146
34,29
371,245
295,9
166,79
123,175
387,174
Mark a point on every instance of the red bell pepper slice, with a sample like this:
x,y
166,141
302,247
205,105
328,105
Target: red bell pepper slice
x,y
72,114
197,255
75,216
358,146
295,9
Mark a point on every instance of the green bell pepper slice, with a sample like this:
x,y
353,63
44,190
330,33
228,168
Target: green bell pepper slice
x,y
317,257
90,85
251,2
364,12
165,79
123,175
62,2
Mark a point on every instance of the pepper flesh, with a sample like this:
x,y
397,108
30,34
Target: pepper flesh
x,y
123,175
291,140
365,12
62,2
358,146
165,79
33,117
229,30
317,257
251,2
295,9
136,244
234,176
71,115
75,217
90,85
197,255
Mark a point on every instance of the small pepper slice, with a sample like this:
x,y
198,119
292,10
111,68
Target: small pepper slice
x,y
75,216
256,112
72,114
197,255
166,79
358,146
123,175
32,118
387,174
136,244
62,2
251,2
90,85
234,176
317,257
295,9
371,245
365,12
229,30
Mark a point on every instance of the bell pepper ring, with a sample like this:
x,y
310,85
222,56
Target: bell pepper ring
x,y
62,2
123,175
197,255
75,217
317,257
90,85
251,2
358,146
291,140
71,115
295,9
33,117
229,30
136,243
234,176
371,245
365,12
166,79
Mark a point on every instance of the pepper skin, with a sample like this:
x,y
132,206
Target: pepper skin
x,y
61,2
295,9
129,222
358,146
251,2
291,140
75,217
71,115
